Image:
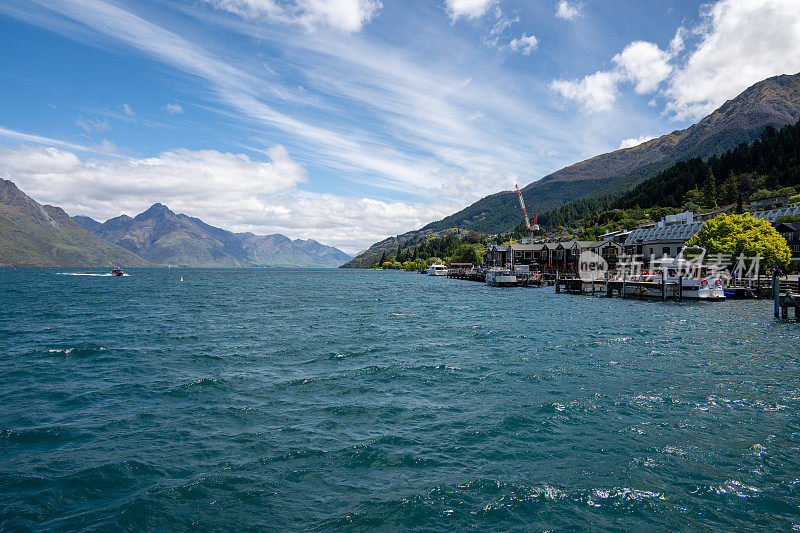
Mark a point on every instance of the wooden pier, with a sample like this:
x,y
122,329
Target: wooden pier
x,y
472,274
624,288
479,275
579,286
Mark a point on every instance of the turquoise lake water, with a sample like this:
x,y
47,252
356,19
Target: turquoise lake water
x,y
360,400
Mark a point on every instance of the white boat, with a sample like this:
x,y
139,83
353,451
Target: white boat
x,y
437,269
698,281
501,277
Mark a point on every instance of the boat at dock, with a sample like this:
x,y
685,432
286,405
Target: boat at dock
x,y
437,269
694,281
501,277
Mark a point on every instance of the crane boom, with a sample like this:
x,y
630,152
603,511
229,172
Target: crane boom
x,y
524,209
528,226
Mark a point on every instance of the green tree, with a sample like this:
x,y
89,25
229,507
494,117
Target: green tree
x,y
730,189
692,198
710,190
466,253
736,234
739,206
383,259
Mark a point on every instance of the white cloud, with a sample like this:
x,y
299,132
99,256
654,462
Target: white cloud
x,y
229,190
568,10
596,92
644,64
741,43
344,15
173,109
469,9
128,111
39,139
92,124
635,141
412,135
525,44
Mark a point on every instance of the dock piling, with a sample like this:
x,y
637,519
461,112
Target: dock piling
x,y
776,293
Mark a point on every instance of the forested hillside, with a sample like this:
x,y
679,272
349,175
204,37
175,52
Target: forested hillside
x,y
767,164
773,102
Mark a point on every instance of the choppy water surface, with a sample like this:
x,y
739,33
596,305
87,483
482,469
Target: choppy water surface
x,y
355,400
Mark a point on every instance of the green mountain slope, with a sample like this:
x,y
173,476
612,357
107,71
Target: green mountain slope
x,y
774,101
35,235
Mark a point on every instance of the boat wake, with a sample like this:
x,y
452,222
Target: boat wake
x,y
87,274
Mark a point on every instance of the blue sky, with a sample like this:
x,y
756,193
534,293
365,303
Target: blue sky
x,y
351,120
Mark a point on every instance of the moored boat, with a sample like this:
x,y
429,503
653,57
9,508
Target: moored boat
x,y
501,277
437,269
697,281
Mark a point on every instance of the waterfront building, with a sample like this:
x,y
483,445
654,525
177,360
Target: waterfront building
x,y
661,240
791,232
776,201
497,255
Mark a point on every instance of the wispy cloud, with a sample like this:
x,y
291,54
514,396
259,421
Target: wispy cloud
x,y
345,15
89,124
173,109
127,110
432,130
39,139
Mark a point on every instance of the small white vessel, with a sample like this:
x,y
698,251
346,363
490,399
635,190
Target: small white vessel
x,y
437,269
501,277
698,281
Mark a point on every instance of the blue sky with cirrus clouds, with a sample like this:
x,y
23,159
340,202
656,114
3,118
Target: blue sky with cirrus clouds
x,y
352,120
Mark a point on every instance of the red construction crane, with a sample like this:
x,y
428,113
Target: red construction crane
x,y
528,226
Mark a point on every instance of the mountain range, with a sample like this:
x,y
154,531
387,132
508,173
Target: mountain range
x,y
771,102
35,235
32,234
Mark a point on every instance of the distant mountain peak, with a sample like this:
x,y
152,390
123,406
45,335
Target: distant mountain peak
x,y
154,210
44,235
164,237
87,222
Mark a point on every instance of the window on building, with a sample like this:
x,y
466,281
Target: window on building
x,y
666,250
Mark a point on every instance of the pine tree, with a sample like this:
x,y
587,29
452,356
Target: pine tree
x,y
739,207
383,259
730,189
710,190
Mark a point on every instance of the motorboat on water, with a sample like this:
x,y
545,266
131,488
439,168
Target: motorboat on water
x,y
117,272
437,269
501,277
